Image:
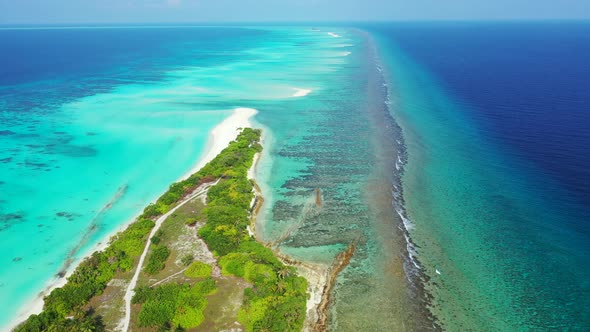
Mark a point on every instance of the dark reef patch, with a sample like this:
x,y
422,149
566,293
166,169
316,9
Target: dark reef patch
x,y
8,220
68,215
29,135
6,132
72,150
11,216
33,165
283,210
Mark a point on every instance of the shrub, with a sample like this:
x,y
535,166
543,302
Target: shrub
x,y
187,259
234,263
259,273
188,317
205,287
198,270
176,305
157,238
157,260
156,313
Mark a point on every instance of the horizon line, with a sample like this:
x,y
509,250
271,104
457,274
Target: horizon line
x,y
301,22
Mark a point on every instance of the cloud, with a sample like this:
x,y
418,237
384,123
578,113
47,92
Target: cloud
x,y
174,3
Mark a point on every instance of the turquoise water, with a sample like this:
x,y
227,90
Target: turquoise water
x,y
495,183
343,142
101,125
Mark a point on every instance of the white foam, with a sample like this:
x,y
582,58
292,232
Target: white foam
x,y
301,92
412,253
398,163
407,223
346,53
335,35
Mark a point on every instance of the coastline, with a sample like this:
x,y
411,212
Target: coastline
x,y
221,135
319,277
219,138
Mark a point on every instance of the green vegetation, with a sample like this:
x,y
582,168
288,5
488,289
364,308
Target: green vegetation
x,y
157,259
49,321
198,270
275,302
187,259
173,305
157,237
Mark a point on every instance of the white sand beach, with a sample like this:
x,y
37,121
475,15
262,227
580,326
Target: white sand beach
x,y
222,134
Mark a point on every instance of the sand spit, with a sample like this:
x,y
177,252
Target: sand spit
x,y
341,261
222,134
301,92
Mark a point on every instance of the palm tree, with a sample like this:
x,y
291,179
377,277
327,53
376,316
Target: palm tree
x,y
281,286
284,272
86,326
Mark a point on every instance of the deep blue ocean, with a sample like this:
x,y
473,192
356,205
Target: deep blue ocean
x,y
496,120
525,84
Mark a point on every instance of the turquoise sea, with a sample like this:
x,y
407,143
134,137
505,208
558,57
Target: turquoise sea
x,y
455,156
98,121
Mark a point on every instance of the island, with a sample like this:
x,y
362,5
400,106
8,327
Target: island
x,y
190,261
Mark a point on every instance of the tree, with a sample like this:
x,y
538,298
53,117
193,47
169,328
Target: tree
x,y
284,272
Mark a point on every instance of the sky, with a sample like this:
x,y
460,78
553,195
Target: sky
x,y
170,11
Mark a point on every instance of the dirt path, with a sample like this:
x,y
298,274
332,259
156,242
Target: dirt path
x,y
168,278
131,288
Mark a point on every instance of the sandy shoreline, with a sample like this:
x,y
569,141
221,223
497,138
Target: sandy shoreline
x,y
222,134
317,275
219,139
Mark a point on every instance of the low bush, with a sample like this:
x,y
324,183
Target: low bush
x,y
157,259
198,270
178,305
187,259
